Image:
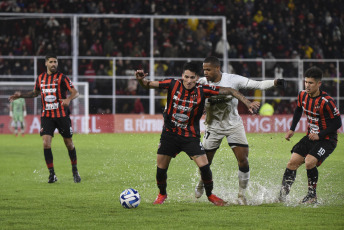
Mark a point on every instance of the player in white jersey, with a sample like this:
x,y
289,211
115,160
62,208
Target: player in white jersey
x,y
223,120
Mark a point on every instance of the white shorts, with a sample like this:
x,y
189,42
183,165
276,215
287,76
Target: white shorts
x,y
236,136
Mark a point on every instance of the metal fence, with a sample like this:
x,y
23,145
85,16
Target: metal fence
x,y
111,77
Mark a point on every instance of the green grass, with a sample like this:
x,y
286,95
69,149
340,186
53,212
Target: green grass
x,y
110,163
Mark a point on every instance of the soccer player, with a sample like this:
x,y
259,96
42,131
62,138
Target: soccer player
x,y
181,130
53,86
223,120
18,112
321,140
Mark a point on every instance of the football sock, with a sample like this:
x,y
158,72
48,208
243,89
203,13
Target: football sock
x,y
207,178
244,177
73,158
48,155
51,170
288,179
161,177
312,175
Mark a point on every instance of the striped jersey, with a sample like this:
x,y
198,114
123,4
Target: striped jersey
x,y
319,111
53,88
185,107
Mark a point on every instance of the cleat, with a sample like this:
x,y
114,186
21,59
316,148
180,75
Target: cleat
x,y
52,178
309,199
282,197
76,177
199,189
241,199
216,200
160,199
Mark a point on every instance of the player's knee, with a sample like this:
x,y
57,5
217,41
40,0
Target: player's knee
x,y
46,145
310,162
243,163
292,165
69,143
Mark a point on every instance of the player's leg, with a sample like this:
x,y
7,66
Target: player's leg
x,y
48,156
64,126
22,125
317,155
312,174
199,189
47,133
15,123
168,148
237,140
289,175
241,154
207,178
195,151
163,161
299,152
211,142
73,158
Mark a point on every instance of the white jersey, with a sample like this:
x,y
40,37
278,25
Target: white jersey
x,y
222,111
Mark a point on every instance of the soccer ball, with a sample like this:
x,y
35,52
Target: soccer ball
x,y
130,198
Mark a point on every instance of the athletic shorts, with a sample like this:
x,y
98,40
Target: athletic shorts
x,y
236,136
320,149
171,145
17,117
62,124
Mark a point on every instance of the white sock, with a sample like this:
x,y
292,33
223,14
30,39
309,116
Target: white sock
x,y
243,180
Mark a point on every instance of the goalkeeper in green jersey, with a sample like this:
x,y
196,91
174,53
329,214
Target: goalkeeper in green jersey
x,y
18,112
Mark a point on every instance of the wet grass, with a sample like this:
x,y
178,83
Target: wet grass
x,y
110,163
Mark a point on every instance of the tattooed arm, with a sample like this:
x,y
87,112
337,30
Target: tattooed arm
x,y
253,107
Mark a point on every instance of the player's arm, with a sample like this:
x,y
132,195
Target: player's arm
x,y
140,76
252,106
333,124
73,94
29,94
264,85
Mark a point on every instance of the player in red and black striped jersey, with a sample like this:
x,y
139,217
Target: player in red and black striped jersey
x,y
323,122
53,87
181,131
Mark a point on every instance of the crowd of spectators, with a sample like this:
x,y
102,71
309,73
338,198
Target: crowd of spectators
x,y
269,29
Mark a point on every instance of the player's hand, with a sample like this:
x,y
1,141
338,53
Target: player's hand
x,y
253,107
289,134
11,114
14,97
313,137
139,74
280,83
65,102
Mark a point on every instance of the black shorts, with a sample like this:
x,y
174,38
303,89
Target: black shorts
x,y
320,149
172,145
63,124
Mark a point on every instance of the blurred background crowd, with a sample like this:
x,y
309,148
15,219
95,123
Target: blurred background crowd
x,y
269,29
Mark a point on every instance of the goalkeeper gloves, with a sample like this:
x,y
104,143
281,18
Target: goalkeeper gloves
x,y
11,114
